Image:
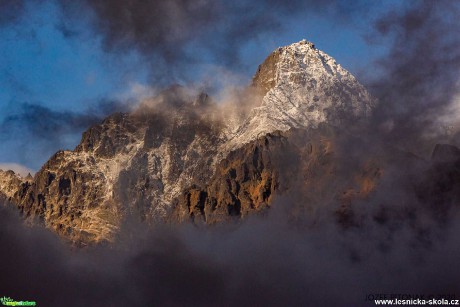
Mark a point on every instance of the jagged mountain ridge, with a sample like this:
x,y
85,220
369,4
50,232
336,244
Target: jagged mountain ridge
x,y
134,162
143,161
302,87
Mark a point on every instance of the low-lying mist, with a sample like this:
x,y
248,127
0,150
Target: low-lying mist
x,y
264,260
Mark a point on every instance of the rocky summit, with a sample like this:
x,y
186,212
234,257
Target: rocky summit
x,y
175,157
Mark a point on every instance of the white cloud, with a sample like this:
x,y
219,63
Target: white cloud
x,y
17,168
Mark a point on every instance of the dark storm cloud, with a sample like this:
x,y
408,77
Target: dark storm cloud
x,y
11,11
417,83
42,122
34,132
172,35
262,262
422,70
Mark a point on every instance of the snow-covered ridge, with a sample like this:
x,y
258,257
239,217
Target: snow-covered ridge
x,y
144,160
305,87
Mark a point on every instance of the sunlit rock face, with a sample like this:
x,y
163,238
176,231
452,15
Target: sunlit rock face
x,y
174,158
302,87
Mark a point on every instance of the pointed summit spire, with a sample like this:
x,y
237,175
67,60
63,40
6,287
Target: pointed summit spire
x,y
301,87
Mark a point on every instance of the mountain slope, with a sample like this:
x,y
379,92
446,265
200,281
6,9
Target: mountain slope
x,y
302,87
171,150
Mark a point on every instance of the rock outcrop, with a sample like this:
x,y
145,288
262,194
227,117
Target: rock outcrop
x,y
303,87
175,158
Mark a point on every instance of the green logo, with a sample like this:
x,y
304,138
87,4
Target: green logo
x,y
8,301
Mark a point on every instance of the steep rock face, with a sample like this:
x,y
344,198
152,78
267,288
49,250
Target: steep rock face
x,y
301,165
175,154
133,162
69,194
10,184
302,87
146,161
244,182
266,76
72,192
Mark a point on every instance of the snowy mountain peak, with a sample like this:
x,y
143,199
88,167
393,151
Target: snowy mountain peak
x,y
144,161
302,87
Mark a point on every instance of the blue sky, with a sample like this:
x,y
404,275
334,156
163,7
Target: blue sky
x,y
62,66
